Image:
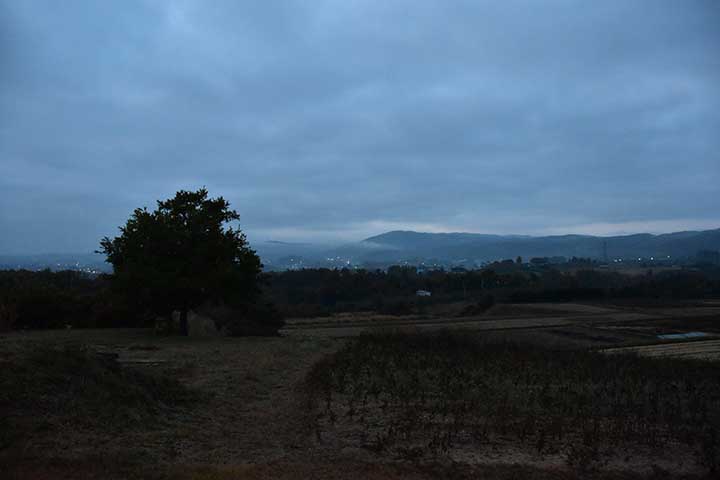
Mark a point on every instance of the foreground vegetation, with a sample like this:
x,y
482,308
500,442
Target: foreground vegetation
x,y
48,389
417,395
173,407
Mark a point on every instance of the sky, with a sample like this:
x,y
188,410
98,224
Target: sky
x,y
331,121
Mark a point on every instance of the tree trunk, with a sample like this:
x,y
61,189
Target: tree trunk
x,y
184,322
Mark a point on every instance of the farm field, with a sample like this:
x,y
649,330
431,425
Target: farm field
x,y
634,324
252,415
475,401
703,350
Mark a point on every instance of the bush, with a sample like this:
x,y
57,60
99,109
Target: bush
x,y
478,308
257,319
8,315
394,307
305,310
251,319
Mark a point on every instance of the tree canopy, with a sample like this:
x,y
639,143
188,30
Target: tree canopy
x,y
183,254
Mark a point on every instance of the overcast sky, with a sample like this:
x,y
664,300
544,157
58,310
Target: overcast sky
x,y
337,120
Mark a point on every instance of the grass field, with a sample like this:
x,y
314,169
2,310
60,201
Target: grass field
x,y
250,416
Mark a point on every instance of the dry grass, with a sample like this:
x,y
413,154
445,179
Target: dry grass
x,y
451,396
252,420
248,410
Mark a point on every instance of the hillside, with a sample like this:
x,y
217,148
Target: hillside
x,y
415,247
456,246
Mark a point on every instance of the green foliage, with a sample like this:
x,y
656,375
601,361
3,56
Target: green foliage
x,y
434,392
181,255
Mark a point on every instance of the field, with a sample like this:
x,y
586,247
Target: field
x,y
455,396
260,406
702,350
601,324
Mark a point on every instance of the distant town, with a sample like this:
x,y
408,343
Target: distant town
x,y
94,264
703,257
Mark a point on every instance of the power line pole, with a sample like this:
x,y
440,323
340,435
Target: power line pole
x,y
605,257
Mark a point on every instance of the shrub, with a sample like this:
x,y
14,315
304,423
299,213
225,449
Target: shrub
x,y
394,307
261,319
250,319
8,315
478,308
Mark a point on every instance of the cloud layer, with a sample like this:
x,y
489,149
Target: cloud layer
x,y
338,120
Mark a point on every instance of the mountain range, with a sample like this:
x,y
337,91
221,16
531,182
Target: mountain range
x,y
445,248
455,246
411,246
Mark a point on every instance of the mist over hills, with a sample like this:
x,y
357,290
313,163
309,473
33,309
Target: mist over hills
x,y
398,246
420,247
483,247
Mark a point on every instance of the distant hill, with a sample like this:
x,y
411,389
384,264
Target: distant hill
x,y
484,247
415,247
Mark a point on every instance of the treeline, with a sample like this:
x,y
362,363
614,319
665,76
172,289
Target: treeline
x,y
48,299
71,299
317,292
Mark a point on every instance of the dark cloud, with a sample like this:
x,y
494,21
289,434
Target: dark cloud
x,y
338,120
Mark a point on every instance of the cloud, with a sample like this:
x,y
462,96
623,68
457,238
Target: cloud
x,y
331,120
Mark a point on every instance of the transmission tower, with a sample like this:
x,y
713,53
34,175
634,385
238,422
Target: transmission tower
x,y
605,257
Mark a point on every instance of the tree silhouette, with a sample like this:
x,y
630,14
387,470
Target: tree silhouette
x,y
182,255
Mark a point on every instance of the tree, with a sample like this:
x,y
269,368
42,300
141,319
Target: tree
x,y
182,255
